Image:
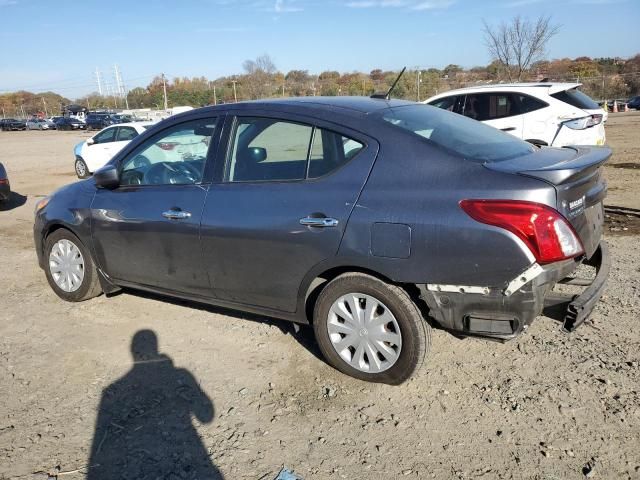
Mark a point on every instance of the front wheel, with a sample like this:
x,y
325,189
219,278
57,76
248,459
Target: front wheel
x,y
370,329
81,168
69,268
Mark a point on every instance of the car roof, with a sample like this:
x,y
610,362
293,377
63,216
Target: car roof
x,y
550,87
362,105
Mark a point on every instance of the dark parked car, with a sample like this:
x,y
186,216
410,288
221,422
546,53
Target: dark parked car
x,y
7,124
634,103
355,215
98,121
5,187
68,123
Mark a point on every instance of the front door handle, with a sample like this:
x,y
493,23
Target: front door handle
x,y
508,129
321,222
176,214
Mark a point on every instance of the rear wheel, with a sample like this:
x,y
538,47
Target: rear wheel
x,y
69,268
370,329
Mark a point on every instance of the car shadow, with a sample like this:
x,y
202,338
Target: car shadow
x,y
303,335
144,427
15,200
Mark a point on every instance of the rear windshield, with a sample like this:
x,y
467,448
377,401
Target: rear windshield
x,y
576,98
468,138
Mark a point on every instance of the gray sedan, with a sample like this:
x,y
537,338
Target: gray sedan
x,y
371,220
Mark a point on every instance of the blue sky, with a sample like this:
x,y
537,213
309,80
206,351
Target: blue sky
x,y
57,44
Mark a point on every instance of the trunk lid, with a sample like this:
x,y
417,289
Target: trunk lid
x,y
576,174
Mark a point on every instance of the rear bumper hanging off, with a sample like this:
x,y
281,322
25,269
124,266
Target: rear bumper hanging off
x,y
577,308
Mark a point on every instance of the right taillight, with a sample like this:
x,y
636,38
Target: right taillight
x,y
584,122
547,233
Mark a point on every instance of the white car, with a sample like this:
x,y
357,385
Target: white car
x,y
96,151
551,114
37,124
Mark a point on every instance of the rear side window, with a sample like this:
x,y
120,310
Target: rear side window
x,y
469,139
490,106
265,149
576,98
528,104
105,136
126,133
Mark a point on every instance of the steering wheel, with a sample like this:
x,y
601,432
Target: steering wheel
x,y
140,161
171,173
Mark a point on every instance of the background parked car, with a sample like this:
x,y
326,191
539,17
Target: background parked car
x,y
94,152
98,121
37,124
554,114
634,103
12,124
5,187
68,123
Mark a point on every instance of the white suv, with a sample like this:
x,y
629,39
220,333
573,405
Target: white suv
x,y
553,114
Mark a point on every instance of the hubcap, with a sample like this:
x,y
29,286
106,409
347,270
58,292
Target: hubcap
x,y
80,169
66,265
364,332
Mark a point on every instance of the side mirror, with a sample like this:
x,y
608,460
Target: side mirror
x,y
90,141
257,154
107,177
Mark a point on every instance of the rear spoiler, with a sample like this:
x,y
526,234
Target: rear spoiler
x,y
555,165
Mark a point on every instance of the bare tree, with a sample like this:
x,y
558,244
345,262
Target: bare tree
x,y
516,45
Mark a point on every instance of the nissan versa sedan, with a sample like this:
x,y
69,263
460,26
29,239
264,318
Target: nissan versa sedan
x,y
370,219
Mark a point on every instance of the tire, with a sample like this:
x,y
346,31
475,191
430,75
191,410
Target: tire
x,y
82,171
89,285
414,332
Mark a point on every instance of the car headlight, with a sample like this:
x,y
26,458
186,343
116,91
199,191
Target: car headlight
x,y
43,202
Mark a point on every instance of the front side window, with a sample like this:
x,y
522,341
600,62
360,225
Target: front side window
x,y
105,136
266,149
175,156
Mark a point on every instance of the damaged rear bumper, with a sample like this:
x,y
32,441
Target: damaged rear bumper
x,y
503,312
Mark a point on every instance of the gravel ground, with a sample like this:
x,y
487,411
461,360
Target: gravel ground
x,y
252,395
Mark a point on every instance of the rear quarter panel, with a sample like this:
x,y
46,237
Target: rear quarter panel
x,y
419,185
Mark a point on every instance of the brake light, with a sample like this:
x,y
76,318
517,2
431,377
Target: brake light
x,y
584,122
547,233
4,181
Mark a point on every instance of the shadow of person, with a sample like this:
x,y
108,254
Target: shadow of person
x,y
144,428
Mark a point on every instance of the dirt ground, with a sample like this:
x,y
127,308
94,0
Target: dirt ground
x,y
256,396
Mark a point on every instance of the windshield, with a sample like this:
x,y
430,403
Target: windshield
x,y
468,138
576,98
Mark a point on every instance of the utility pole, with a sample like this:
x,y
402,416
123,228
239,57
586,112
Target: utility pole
x,y
3,112
164,89
99,81
215,99
45,107
235,95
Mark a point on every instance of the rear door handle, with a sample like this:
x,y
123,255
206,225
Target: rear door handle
x,y
176,214
508,129
322,222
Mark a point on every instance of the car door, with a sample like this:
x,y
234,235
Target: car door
x,y
123,136
98,153
498,109
146,231
281,205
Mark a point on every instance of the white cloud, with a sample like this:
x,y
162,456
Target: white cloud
x,y
407,4
284,7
